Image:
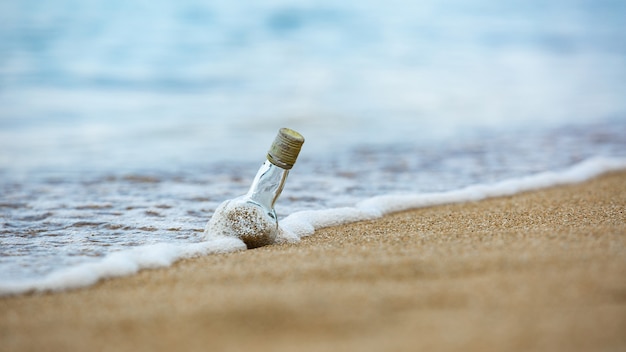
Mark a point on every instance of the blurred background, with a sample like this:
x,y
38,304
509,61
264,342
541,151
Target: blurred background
x,y
113,84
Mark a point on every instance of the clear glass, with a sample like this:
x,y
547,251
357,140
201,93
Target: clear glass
x,y
252,217
267,186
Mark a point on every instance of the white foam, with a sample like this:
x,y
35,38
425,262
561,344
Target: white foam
x,y
305,223
121,264
300,224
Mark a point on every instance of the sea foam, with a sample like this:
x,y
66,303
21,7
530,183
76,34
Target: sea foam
x,y
305,223
122,263
300,224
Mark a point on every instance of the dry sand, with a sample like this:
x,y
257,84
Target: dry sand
x,y
541,271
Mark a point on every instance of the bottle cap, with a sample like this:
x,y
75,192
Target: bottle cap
x,y
285,149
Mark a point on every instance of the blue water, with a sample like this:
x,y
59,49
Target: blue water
x,y
126,123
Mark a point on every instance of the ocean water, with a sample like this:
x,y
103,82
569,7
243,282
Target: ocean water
x,y
124,124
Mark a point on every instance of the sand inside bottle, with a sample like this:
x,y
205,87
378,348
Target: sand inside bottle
x,y
244,220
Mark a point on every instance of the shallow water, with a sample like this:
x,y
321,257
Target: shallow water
x,y
124,125
60,220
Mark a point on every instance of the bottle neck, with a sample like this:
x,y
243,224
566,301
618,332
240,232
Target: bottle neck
x,y
267,185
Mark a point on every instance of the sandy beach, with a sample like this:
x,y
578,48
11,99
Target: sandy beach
x,y
540,271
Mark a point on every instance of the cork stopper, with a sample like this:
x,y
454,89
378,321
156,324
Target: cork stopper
x,y
285,149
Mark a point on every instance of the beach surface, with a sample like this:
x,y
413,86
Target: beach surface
x,y
541,271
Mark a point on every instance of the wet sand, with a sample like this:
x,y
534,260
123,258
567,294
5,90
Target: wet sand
x,y
543,271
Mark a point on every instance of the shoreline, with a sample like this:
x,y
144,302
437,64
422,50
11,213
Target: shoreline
x,y
541,270
300,224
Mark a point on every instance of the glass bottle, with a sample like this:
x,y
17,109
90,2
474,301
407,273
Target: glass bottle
x,y
252,217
